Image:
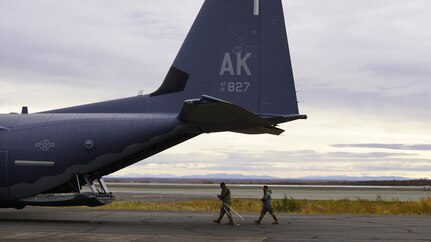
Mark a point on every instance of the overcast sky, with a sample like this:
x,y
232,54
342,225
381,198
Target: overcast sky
x,y
362,69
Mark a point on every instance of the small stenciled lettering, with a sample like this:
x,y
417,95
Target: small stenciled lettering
x,y
234,87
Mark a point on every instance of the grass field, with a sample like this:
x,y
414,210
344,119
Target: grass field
x,y
288,205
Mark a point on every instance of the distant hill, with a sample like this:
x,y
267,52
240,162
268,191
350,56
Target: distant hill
x,y
353,178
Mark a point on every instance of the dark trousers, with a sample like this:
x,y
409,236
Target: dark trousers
x,y
267,210
225,210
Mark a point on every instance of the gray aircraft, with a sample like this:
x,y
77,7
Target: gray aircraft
x,y
232,73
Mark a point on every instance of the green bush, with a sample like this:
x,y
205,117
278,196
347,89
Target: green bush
x,y
287,205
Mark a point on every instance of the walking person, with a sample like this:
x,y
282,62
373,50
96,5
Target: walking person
x,y
267,206
225,198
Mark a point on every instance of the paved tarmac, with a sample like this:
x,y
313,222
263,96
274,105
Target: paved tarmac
x,y
50,224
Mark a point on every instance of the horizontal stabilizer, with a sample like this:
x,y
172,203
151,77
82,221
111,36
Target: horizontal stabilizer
x,y
215,115
262,130
283,118
3,128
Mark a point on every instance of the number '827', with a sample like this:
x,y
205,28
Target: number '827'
x,y
235,86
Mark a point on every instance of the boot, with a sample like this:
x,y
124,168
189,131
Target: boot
x,y
257,221
231,222
275,219
217,221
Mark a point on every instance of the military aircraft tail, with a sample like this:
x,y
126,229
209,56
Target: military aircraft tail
x,y
236,51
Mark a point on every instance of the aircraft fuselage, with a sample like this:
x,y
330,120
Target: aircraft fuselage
x,y
38,151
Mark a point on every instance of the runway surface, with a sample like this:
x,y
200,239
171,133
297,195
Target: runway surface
x,y
48,224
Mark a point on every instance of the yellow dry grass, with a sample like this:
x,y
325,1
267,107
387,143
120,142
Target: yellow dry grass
x,y
288,205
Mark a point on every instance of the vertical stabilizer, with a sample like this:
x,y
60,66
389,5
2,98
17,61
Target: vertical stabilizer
x,y
236,50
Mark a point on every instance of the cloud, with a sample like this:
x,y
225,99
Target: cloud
x,y
368,154
411,166
417,147
370,56
286,164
